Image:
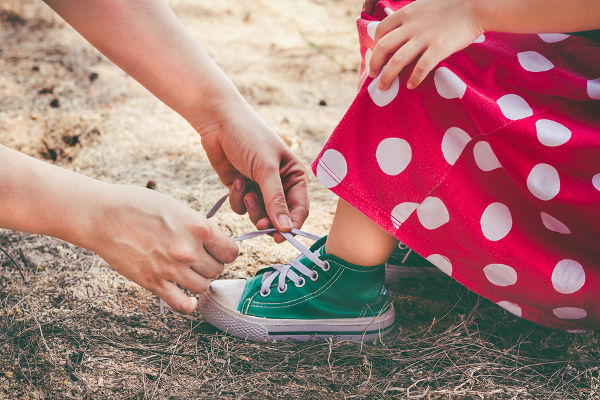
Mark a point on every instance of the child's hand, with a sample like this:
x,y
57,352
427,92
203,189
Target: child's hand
x,y
430,30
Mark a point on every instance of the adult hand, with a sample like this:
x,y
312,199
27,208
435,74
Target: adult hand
x,y
265,178
159,243
430,30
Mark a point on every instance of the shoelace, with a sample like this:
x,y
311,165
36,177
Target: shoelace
x,y
402,246
283,271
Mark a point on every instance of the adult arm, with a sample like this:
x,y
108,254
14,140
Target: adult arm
x,y
144,235
145,38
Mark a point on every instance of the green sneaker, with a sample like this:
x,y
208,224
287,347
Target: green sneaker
x,y
404,263
317,295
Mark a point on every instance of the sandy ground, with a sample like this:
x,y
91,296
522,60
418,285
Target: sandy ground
x,y
78,330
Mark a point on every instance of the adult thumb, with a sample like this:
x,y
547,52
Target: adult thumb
x,y
275,202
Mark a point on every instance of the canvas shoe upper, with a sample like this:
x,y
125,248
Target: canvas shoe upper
x,y
316,295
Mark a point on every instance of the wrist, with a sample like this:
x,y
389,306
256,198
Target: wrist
x,y
87,225
479,14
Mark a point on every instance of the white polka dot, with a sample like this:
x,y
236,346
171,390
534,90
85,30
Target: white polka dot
x,y
568,276
553,224
596,181
543,181
393,155
385,97
593,88
500,274
401,212
485,158
552,133
388,11
496,221
533,61
511,307
371,27
553,37
453,144
365,72
570,313
448,84
332,168
432,213
514,107
441,262
479,39
368,55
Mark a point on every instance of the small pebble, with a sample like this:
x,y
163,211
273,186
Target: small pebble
x,y
9,375
151,184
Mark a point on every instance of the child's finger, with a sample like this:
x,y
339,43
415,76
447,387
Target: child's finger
x,y
404,56
387,25
384,49
424,66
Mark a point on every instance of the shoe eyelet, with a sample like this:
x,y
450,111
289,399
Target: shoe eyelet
x,y
327,266
284,289
265,293
315,276
302,282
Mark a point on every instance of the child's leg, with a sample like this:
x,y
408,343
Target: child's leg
x,y
356,239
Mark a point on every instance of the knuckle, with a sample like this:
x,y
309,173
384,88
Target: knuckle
x,y
170,272
202,229
183,253
278,200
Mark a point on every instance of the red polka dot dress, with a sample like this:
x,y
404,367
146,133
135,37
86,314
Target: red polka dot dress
x,y
490,169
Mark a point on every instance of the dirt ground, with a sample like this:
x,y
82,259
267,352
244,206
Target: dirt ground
x,y
75,329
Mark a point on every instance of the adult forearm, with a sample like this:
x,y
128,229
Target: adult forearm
x,y
537,16
145,38
37,197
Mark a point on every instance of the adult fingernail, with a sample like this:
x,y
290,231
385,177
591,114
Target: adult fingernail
x,y
237,185
410,85
381,86
250,202
285,221
194,302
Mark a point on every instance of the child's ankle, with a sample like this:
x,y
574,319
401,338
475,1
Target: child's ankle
x,y
369,255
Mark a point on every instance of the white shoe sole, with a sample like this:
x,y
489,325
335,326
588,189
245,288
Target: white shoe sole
x,y
260,329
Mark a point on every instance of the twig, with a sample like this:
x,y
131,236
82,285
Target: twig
x,y
15,264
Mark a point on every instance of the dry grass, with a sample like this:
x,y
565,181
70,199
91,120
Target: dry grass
x,y
75,329
62,337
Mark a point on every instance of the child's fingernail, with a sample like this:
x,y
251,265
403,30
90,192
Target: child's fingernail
x,y
410,85
381,86
284,221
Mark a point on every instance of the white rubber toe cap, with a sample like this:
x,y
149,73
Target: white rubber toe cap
x,y
227,292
